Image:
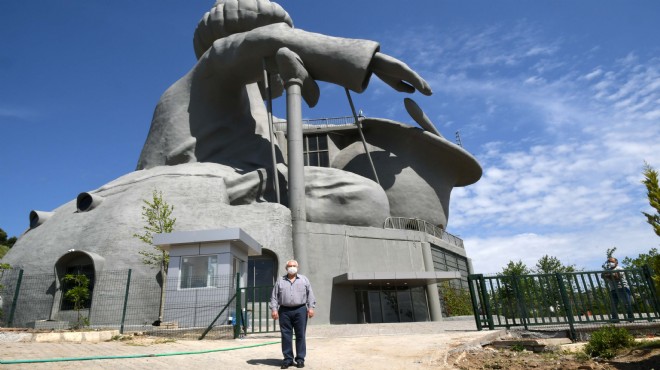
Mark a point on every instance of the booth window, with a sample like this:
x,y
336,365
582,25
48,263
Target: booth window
x,y
198,272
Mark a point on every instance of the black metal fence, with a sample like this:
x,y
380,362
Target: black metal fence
x,y
571,299
121,300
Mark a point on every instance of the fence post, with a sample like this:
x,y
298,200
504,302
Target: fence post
x,y
237,321
486,302
123,313
649,280
10,322
475,304
522,311
567,305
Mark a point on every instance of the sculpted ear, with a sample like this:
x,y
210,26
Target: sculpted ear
x,y
290,67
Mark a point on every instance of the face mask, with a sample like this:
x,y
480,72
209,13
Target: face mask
x,y
292,270
610,265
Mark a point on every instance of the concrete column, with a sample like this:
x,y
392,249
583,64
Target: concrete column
x,y
431,289
296,168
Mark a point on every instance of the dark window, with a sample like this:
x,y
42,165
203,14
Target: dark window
x,y
315,149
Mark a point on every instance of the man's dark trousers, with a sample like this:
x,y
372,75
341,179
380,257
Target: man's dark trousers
x,y
293,319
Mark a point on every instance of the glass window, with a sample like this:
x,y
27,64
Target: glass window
x,y
420,305
198,272
405,305
315,149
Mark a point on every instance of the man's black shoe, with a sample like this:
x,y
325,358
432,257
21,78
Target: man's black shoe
x,y
285,366
300,365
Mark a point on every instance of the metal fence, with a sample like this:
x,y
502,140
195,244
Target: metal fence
x,y
574,300
200,308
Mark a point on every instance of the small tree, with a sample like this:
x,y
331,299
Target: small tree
x,y
653,193
158,216
550,265
77,295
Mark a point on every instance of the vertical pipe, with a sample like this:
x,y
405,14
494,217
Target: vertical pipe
x,y
10,322
296,168
269,98
123,312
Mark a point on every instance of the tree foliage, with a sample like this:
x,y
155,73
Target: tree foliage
x,y
157,215
515,269
653,193
456,301
78,295
5,241
550,265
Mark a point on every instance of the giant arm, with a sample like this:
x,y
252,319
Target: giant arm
x,y
215,113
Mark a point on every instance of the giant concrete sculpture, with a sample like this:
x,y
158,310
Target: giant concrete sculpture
x,y
209,152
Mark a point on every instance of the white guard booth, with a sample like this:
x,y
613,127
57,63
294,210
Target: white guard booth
x,y
202,273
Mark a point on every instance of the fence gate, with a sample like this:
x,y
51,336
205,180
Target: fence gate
x,y
572,299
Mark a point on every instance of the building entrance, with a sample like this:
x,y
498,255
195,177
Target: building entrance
x,y
391,303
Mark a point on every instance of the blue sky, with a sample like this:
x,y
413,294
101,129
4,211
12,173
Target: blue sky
x,y
558,100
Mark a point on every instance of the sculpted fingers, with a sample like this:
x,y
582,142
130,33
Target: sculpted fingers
x,y
398,75
290,66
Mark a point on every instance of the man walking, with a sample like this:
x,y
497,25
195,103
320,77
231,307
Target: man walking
x,y
292,302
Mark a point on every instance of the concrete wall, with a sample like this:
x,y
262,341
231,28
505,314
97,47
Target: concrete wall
x,y
337,249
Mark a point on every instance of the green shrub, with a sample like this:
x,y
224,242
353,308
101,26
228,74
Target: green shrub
x,y
607,341
456,302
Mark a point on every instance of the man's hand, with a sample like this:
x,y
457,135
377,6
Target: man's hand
x,y
275,315
310,312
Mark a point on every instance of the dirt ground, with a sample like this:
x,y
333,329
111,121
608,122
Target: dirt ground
x,y
449,350
490,358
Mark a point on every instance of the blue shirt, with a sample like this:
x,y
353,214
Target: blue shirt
x,y
294,293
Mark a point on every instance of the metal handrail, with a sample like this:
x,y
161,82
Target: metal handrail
x,y
404,223
318,123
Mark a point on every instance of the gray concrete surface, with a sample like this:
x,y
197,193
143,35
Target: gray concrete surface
x,y
380,346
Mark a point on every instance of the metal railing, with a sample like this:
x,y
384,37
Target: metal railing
x,y
403,223
575,300
321,123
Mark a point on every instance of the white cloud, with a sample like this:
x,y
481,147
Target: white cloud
x,y
565,139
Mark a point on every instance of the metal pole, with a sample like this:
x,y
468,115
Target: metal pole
x,y
269,98
296,168
364,142
238,316
123,313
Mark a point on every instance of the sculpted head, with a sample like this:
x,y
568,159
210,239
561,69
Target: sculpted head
x,y
228,17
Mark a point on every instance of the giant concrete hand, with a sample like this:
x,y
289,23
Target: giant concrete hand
x,y
215,113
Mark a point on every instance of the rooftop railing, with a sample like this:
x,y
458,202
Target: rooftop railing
x,y
403,223
320,123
